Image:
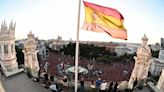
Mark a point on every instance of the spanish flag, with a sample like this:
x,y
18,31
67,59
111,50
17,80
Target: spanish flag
x,y
104,19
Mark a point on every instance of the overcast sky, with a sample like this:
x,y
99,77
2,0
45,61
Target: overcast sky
x,y
49,18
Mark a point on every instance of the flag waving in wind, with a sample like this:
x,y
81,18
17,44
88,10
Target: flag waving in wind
x,y
104,19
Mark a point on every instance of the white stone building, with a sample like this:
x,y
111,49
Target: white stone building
x,y
7,47
56,44
121,50
127,49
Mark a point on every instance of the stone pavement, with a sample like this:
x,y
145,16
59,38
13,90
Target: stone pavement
x,y
21,83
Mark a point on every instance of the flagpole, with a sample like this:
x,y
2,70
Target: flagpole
x,y
77,48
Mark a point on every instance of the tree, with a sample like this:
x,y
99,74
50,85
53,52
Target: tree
x,y
69,49
92,51
155,54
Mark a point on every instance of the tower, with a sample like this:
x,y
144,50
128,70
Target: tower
x,y
7,47
30,55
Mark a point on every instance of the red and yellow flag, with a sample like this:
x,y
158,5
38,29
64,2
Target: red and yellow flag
x,y
104,19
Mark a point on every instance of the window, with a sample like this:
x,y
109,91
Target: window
x,y
12,48
6,49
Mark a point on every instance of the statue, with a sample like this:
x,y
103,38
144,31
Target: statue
x,y
142,61
30,55
160,84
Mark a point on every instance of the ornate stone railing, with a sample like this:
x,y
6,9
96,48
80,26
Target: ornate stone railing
x,y
3,69
154,87
14,72
7,73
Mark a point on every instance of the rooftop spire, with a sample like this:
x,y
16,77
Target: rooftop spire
x,y
144,37
3,24
11,25
14,25
30,35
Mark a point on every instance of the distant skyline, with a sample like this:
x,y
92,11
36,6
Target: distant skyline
x,y
49,18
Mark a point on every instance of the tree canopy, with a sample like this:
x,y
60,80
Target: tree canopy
x,y
92,51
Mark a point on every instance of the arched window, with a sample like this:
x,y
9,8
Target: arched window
x,y
12,48
6,48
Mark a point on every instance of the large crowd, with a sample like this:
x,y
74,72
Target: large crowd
x,y
116,71
113,72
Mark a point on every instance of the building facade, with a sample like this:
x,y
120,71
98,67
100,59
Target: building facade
x,y
127,49
42,50
56,44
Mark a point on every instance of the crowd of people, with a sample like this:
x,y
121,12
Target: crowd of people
x,y
110,73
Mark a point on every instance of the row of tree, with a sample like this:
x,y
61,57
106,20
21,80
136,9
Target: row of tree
x,y
98,53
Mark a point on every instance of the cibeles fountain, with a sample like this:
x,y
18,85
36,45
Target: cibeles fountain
x,y
81,70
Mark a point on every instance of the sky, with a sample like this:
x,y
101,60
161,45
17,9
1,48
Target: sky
x,y
49,18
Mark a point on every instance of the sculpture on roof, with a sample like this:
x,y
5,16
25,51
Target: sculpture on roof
x,y
160,84
30,54
142,61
